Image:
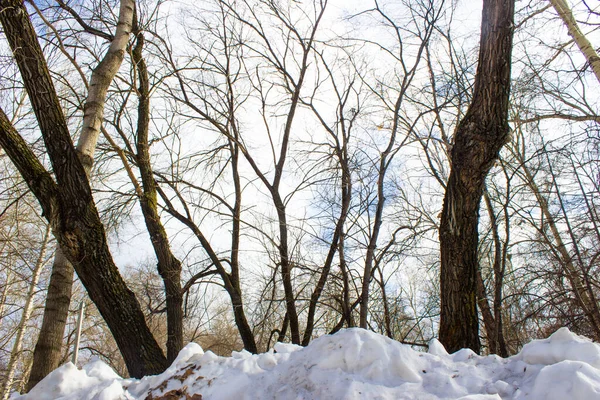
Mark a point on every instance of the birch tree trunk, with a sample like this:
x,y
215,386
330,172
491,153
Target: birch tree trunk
x,y
27,310
68,204
565,13
47,353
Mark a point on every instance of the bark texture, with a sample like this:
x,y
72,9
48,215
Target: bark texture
x,y
478,139
100,81
584,45
169,267
47,354
48,350
71,210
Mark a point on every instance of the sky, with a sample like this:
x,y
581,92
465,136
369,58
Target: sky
x,y
131,246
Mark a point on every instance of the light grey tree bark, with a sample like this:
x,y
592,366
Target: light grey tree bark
x,y
582,42
25,316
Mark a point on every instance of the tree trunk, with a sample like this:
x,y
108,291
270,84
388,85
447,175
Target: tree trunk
x,y
231,286
499,269
169,267
346,193
286,267
236,294
71,210
27,310
495,337
241,322
385,159
47,353
478,139
100,81
347,307
586,48
48,349
489,322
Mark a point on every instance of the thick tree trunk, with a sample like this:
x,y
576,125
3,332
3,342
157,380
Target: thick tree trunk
x,y
478,140
71,210
47,353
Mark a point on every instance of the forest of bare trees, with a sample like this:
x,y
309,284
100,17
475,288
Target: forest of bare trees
x,y
242,172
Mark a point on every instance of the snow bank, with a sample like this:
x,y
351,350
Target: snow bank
x,y
352,364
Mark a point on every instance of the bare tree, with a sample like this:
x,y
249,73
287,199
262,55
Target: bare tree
x,y
25,315
71,211
299,43
48,348
478,139
426,16
169,266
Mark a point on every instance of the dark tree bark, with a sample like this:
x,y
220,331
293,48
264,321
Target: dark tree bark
x,y
169,267
48,350
231,281
71,210
478,139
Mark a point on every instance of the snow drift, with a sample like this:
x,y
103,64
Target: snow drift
x,y
352,364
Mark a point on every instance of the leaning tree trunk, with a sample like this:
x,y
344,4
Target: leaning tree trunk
x,y
582,42
68,204
585,297
48,349
15,354
477,142
4,295
169,266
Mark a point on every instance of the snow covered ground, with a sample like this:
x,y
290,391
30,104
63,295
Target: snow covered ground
x,y
352,364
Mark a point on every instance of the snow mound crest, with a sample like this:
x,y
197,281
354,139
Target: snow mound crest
x,y
352,364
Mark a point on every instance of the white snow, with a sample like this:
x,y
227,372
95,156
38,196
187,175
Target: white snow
x,y
352,364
